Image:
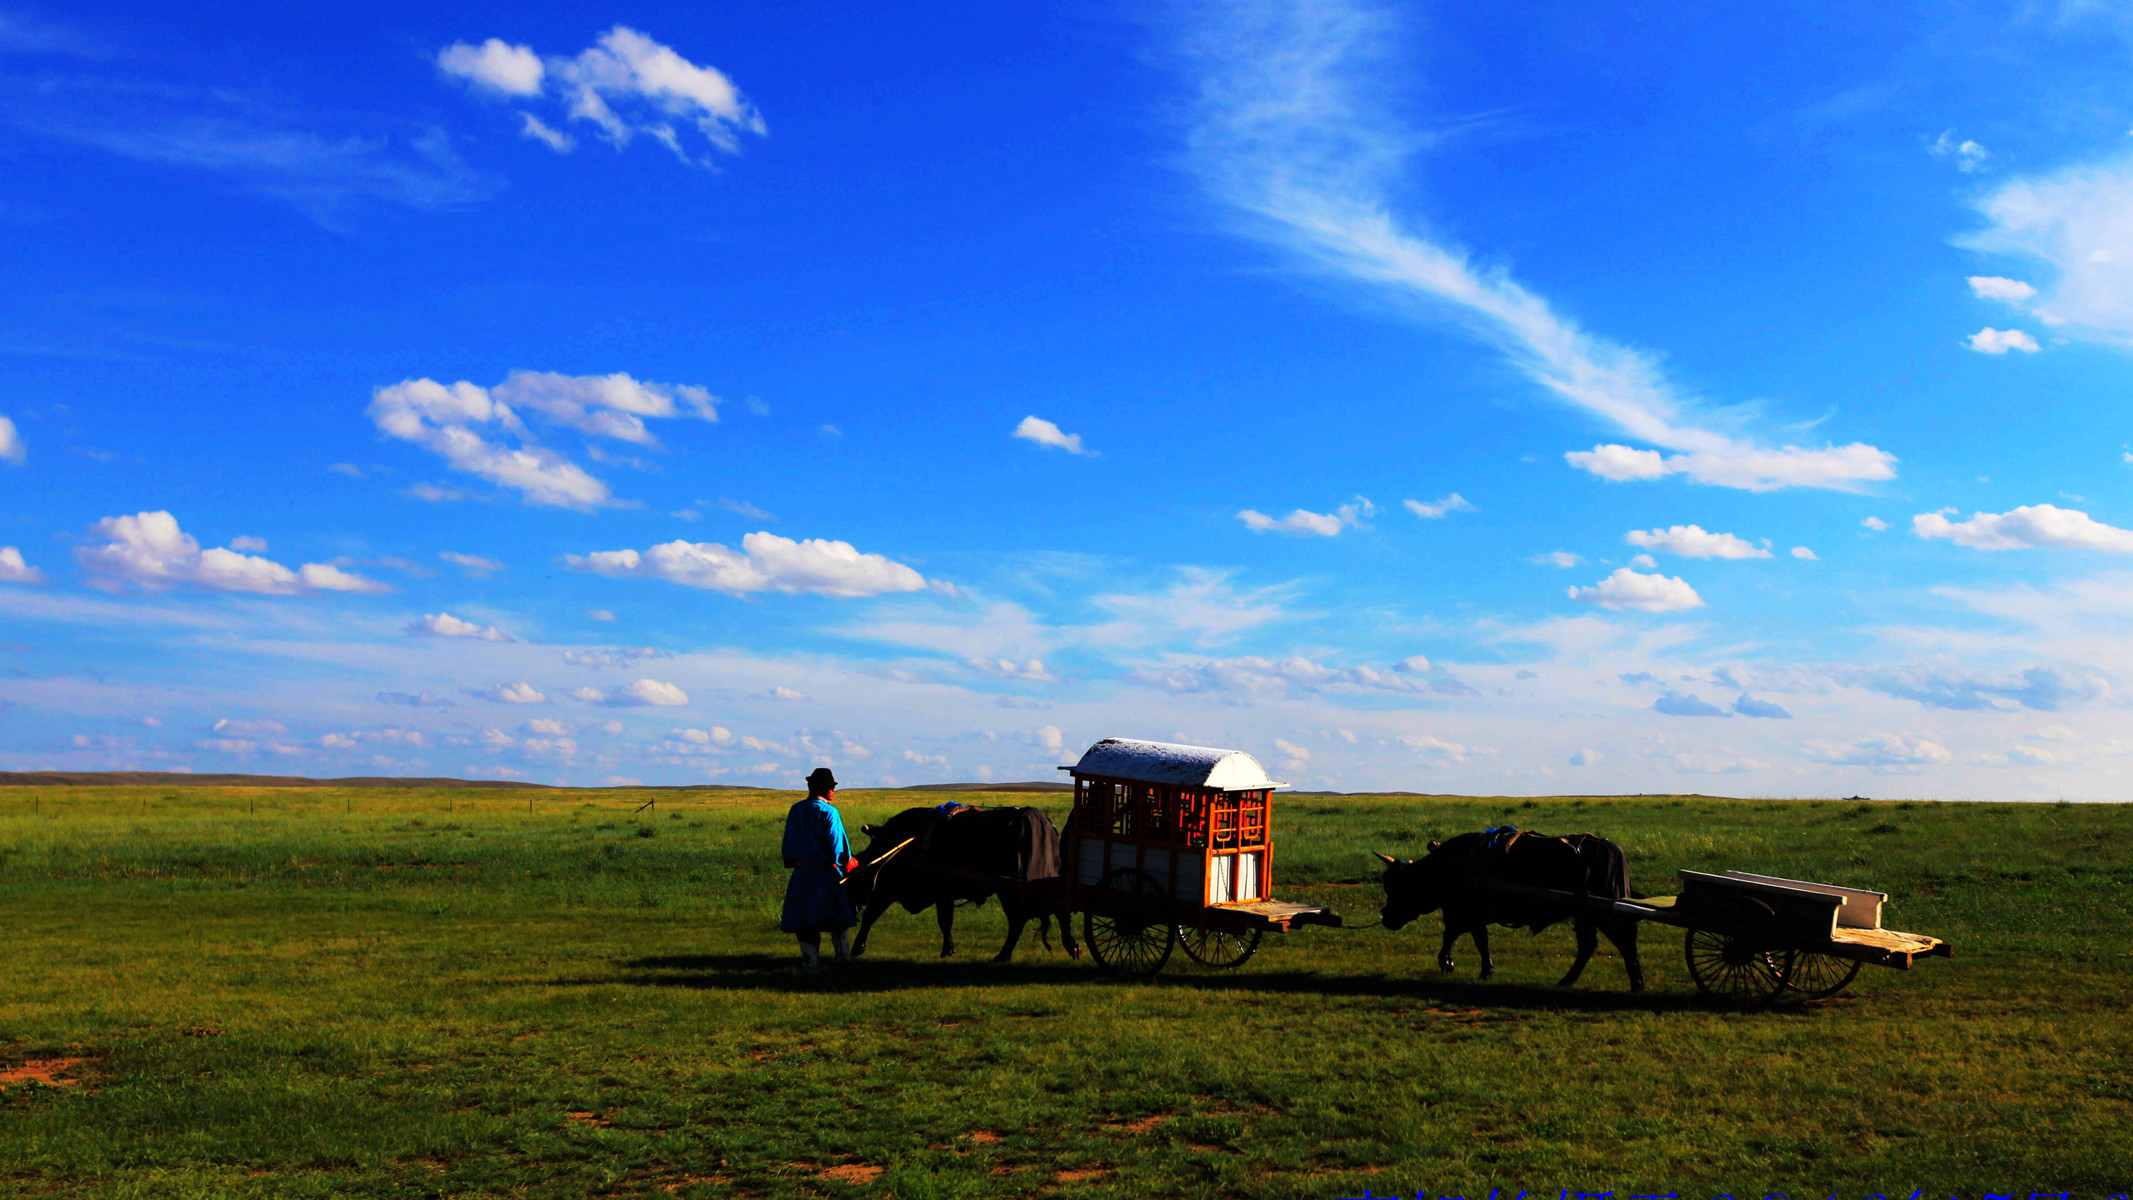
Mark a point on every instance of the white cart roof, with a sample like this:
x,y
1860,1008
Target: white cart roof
x,y
1200,767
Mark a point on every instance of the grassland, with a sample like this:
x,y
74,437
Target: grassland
x,y
326,993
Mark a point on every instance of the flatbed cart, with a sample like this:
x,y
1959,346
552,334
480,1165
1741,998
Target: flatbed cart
x,y
1171,845
1760,939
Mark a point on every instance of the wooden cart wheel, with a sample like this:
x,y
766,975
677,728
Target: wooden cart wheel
x,y
1218,948
1127,925
1729,951
1812,976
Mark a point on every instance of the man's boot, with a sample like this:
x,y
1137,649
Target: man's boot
x,y
810,960
844,954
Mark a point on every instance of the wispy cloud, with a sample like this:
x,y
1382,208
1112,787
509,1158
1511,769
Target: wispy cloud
x,y
1287,133
325,167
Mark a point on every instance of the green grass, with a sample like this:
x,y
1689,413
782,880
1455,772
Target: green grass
x,y
327,993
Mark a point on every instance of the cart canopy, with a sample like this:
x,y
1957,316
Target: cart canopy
x,y
1200,768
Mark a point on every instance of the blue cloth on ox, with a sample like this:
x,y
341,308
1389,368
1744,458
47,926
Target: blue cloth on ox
x,y
1496,839
814,897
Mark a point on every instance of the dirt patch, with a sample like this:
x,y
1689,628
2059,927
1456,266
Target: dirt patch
x,y
590,1118
1083,1174
691,1181
983,1137
205,1031
1146,1123
852,1173
50,1072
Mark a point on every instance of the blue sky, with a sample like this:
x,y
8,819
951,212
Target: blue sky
x,y
1525,400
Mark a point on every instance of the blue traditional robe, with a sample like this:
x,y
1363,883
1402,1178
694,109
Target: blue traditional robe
x,y
814,898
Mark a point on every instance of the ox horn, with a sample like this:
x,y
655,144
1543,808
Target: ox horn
x,y
1389,859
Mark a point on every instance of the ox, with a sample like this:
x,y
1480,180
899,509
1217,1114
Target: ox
x,y
961,853
1454,877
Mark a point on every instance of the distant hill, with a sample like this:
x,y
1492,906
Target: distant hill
x,y
1029,786
182,779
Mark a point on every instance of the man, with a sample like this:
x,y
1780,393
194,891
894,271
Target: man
x,y
820,857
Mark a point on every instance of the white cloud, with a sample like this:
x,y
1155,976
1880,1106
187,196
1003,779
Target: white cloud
x,y
1284,135
623,85
446,625
1585,758
1841,468
459,421
1875,523
14,570
1044,433
253,544
443,419
599,614
764,563
1450,504
495,64
1690,541
1992,287
717,735
1644,560
785,693
1805,553
1557,558
1647,593
609,406
1007,668
636,694
1305,522
1968,156
546,728
242,727
1299,756
512,693
13,450
1999,341
322,577
148,549
2029,527
473,564
1881,750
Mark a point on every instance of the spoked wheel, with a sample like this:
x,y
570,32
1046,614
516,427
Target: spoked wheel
x,y
1217,948
1729,951
1127,924
1812,976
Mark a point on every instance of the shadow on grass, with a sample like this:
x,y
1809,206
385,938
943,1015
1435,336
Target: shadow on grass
x,y
773,972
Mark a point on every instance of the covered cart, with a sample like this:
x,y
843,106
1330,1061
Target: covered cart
x,y
1170,845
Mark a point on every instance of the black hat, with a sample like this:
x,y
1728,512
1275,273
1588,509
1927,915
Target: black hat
x,y
820,780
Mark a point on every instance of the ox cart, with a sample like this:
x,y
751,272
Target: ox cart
x,y
1173,846
1759,939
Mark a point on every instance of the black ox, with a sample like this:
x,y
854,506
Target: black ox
x,y
1455,875
961,853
